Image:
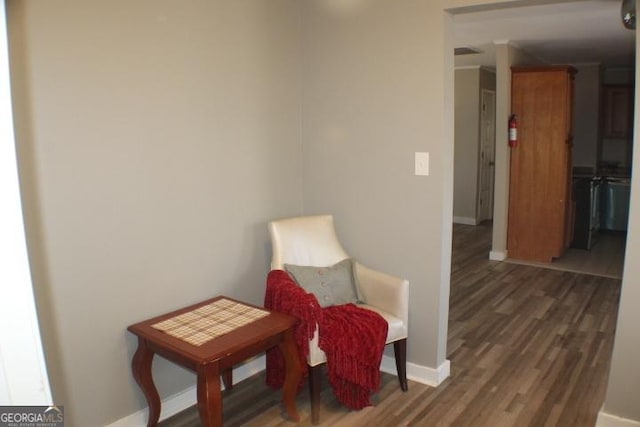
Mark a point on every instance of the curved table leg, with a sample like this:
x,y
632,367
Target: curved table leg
x,y
293,374
141,367
209,395
227,379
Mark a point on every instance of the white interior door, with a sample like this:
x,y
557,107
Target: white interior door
x,y
486,168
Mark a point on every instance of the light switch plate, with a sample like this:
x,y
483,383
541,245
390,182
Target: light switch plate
x,y
422,164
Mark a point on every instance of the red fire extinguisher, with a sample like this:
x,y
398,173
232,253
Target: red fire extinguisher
x,y
513,131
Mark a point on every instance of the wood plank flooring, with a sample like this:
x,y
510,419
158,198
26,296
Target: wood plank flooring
x,y
528,347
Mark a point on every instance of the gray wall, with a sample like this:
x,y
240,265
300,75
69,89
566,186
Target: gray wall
x,y
469,82
618,76
156,140
374,95
487,79
467,139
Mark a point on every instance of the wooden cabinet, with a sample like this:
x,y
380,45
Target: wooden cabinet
x,y
615,146
540,207
617,111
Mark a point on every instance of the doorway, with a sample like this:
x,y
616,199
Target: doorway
x,y
486,165
474,147
496,36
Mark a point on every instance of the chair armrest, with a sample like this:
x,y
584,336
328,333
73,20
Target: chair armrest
x,y
386,292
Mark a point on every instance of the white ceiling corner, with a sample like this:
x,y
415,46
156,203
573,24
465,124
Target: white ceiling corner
x,y
574,32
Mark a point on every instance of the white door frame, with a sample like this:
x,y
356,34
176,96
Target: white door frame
x,y
486,159
23,373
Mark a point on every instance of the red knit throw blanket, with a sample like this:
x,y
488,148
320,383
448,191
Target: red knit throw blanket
x,y
353,339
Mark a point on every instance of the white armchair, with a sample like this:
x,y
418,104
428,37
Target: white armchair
x,y
312,241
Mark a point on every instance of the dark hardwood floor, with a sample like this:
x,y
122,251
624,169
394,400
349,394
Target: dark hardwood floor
x,y
528,347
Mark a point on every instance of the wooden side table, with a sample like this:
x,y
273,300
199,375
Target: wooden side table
x,y
215,358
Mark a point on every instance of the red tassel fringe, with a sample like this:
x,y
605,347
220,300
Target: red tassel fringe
x,y
352,338
284,295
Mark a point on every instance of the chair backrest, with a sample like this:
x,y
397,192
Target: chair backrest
x,y
305,240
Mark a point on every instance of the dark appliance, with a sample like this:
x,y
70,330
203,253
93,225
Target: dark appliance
x,y
586,193
615,209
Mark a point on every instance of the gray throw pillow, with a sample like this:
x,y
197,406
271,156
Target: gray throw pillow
x,y
334,285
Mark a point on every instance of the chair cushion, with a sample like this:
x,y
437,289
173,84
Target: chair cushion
x,y
397,330
333,285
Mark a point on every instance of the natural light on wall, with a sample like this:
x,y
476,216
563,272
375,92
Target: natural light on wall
x,y
23,375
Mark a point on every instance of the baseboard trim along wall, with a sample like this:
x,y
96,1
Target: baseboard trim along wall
x,y
497,255
608,420
418,373
464,220
187,398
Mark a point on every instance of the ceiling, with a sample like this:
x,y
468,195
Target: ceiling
x,y
575,32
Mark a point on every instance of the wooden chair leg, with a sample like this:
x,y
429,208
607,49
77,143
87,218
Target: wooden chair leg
x,y
315,378
400,350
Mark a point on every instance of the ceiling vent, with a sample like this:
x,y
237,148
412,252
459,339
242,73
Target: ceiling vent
x,y
465,50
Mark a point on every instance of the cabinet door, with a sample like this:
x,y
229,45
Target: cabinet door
x,y
539,195
617,111
567,179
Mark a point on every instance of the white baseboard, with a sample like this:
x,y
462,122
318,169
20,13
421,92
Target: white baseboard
x,y
464,220
422,374
498,255
187,398
608,420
